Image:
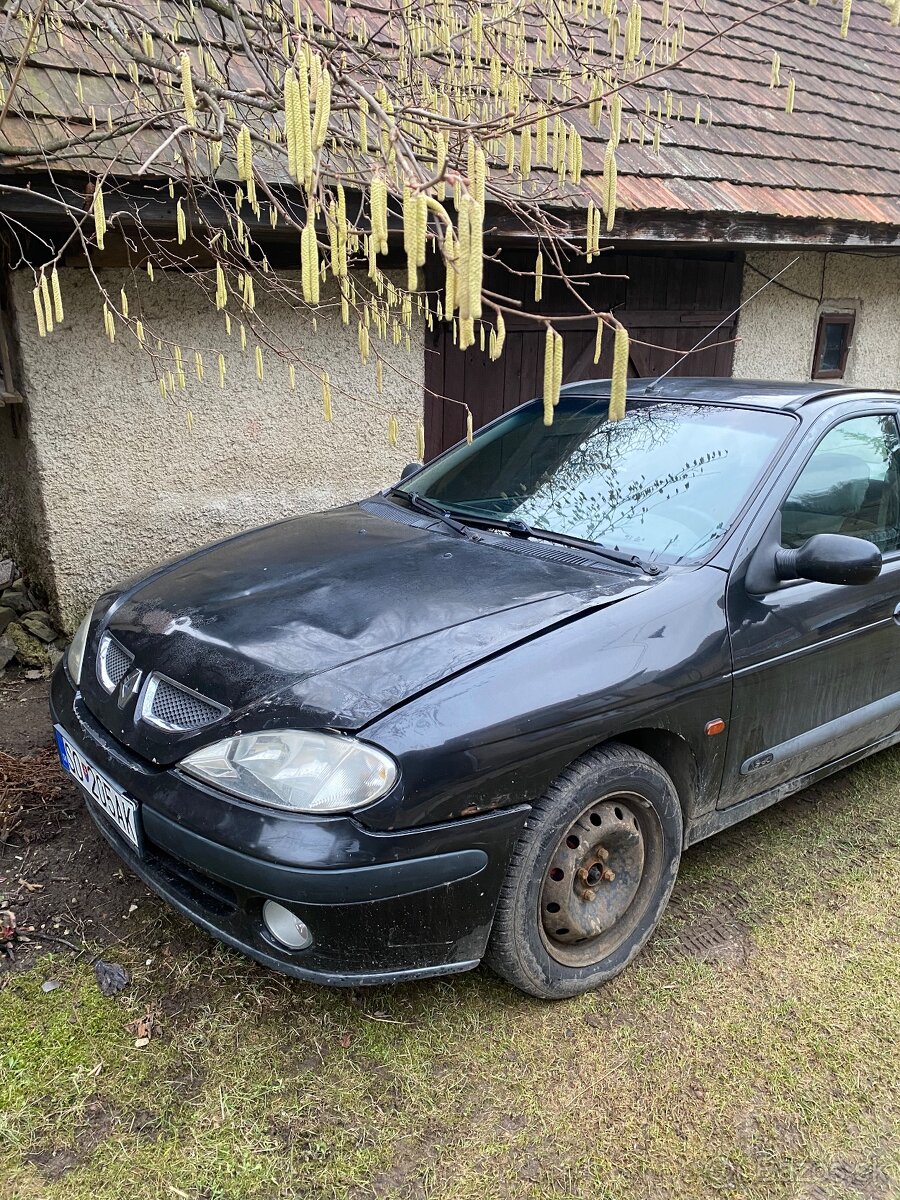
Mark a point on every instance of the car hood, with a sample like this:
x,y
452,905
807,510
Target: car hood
x,y
330,620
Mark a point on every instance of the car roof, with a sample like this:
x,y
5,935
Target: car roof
x,y
708,390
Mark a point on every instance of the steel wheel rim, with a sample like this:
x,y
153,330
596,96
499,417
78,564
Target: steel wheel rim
x,y
599,878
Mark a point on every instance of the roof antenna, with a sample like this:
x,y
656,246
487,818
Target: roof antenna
x,y
686,354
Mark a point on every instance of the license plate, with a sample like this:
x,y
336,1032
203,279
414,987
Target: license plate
x,y
119,808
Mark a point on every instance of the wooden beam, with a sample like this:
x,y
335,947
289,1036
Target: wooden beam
x,y
39,202
707,230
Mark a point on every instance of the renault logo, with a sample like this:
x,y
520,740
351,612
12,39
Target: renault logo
x,y
129,687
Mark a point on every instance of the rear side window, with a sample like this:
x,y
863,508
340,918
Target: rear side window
x,y
850,485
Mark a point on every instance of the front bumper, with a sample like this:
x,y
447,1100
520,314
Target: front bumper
x,y
382,906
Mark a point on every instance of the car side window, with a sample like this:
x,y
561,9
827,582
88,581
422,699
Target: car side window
x,y
850,485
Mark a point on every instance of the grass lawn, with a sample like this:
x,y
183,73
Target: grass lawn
x,y
760,1063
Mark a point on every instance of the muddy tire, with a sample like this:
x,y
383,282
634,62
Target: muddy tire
x,y
590,876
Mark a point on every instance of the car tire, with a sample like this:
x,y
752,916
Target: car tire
x,y
590,875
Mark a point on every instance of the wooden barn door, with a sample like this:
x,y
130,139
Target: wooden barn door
x,y
668,303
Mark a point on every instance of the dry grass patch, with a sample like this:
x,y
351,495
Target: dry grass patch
x,y
33,793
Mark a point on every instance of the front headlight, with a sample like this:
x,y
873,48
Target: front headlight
x,y
297,770
75,653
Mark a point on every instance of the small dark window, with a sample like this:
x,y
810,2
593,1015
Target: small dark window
x,y
833,339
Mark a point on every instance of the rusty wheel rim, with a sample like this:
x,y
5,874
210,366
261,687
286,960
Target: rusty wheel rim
x,y
592,892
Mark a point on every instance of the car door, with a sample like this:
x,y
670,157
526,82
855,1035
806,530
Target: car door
x,y
817,666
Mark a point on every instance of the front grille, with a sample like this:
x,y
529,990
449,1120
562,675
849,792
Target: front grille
x,y
113,662
169,706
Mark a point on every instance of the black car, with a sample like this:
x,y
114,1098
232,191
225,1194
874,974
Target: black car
x,y
481,714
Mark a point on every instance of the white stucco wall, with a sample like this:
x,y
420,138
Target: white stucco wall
x,y
127,482
777,330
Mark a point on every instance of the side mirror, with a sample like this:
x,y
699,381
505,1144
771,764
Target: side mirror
x,y
830,558
410,469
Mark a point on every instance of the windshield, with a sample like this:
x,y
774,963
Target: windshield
x,y
664,483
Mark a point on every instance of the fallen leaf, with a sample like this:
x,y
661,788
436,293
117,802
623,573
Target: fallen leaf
x,y
346,1039
145,1027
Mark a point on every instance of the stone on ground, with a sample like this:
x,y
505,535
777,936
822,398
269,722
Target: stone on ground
x,y
30,650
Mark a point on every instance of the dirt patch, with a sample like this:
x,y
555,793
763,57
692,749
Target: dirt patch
x,y
24,714
100,1118
71,884
57,873
407,1178
186,1005
52,1162
188,1081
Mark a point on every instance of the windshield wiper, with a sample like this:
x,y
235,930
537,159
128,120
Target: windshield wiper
x,y
434,510
520,529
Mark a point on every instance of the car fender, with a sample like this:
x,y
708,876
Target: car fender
x,y
498,733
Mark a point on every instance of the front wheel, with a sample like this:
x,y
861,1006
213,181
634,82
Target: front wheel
x,y
590,876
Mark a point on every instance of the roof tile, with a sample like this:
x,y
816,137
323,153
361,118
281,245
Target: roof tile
x,y
836,157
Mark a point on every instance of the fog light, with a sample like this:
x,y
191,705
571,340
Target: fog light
x,y
285,926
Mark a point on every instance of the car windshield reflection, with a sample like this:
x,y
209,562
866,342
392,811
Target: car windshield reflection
x,y
665,482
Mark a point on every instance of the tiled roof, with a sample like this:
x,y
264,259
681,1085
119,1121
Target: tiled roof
x,y
836,157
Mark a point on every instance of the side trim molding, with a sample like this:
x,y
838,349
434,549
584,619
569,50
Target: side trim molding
x,y
722,818
823,734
